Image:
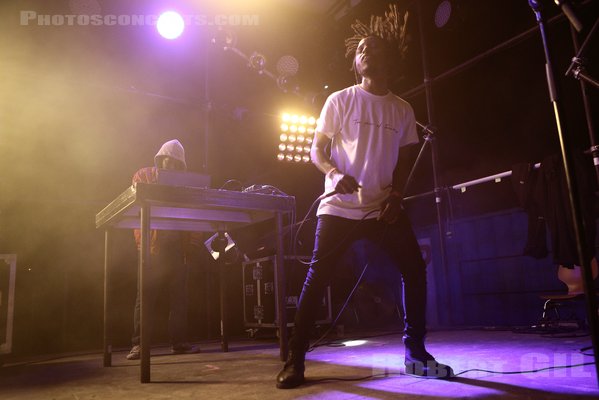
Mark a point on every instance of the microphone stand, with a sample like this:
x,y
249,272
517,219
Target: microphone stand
x,y
571,183
578,71
429,134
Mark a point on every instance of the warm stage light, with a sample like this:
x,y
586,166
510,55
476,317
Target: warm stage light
x,y
170,25
297,137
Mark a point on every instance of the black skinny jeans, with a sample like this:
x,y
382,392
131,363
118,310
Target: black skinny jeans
x,y
334,235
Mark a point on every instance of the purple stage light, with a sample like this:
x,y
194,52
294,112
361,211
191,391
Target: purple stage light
x,y
170,25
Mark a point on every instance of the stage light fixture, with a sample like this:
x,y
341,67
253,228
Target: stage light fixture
x,y
296,136
443,13
287,66
257,62
170,25
288,84
225,38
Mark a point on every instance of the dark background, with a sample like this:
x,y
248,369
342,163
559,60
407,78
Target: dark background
x,y
83,107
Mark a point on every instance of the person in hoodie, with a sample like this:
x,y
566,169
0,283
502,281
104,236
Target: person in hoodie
x,y
169,251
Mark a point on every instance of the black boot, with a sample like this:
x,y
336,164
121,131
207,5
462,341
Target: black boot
x,y
421,363
292,374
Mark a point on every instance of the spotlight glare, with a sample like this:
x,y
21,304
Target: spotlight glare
x,y
309,140
280,156
352,343
294,119
299,148
288,157
301,129
297,158
170,25
286,117
283,137
282,146
301,138
290,147
292,138
303,119
284,127
306,149
306,158
293,128
311,120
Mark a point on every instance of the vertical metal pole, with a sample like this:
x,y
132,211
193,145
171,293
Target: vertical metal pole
x,y
107,316
224,339
143,268
280,288
573,197
434,153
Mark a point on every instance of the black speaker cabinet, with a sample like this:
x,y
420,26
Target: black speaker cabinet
x,y
259,294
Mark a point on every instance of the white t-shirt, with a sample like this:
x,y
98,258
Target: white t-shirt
x,y
366,131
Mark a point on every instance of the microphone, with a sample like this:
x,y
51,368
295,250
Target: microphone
x,y
325,195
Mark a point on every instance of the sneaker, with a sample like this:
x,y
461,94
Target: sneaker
x,y
134,353
184,348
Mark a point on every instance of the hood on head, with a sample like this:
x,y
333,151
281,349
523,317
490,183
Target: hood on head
x,y
172,148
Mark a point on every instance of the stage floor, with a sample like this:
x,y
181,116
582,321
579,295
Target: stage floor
x,y
373,370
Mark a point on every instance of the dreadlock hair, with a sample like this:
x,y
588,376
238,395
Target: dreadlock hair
x,y
391,28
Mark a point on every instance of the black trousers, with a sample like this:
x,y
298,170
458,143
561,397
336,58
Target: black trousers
x,y
166,281
334,235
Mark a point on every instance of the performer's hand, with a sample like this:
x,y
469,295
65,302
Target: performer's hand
x,y
344,184
390,208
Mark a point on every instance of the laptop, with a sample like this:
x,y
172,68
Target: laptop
x,y
182,178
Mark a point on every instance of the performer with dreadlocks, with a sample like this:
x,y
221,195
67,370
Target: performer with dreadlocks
x,y
372,134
